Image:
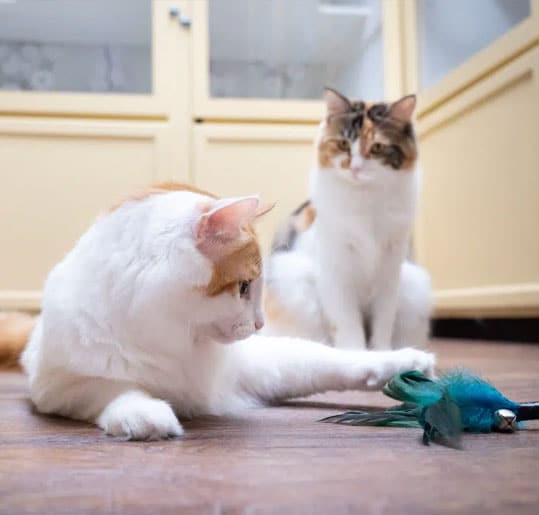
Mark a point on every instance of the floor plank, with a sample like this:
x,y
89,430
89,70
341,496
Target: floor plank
x,y
276,460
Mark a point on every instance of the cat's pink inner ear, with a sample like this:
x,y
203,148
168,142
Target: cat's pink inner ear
x,y
226,218
335,102
403,109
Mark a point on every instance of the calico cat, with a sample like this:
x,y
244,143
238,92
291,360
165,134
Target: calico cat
x,y
153,313
338,272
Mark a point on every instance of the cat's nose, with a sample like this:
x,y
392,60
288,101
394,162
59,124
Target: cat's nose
x,y
259,324
356,164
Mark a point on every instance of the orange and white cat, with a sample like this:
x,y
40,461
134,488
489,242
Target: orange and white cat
x,y
153,313
338,272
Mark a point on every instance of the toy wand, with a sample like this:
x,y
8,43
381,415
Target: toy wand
x,y
458,401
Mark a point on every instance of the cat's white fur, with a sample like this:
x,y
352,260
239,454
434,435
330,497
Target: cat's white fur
x,y
350,266
128,339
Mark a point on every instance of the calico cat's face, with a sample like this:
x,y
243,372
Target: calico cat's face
x,y
361,141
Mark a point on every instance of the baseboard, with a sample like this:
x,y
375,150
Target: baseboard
x,y
26,300
498,301
498,329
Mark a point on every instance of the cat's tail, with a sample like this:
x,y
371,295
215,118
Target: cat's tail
x,y
15,330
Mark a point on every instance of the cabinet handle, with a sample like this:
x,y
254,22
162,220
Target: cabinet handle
x,y
183,20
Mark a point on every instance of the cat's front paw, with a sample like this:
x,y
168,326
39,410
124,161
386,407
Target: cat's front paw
x,y
398,361
414,359
136,417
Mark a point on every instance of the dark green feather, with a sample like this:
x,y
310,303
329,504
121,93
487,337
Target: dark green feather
x,y
441,422
397,416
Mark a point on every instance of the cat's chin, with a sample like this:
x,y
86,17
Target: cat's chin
x,y
230,340
235,338
217,335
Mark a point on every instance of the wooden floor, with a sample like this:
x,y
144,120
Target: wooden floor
x,y
276,460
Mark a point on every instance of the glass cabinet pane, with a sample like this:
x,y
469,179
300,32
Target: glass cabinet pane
x,y
452,31
76,45
293,48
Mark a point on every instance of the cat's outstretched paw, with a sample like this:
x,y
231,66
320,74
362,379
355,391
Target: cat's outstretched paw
x,y
393,362
134,416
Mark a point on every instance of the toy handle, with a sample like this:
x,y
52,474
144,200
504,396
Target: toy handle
x,y
528,411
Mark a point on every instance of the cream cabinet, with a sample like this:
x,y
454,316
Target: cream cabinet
x,y
57,176
225,94
478,227
98,98
95,102
477,230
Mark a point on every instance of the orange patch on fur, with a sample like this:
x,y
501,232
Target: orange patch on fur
x,y
327,150
305,218
156,189
368,133
242,263
15,329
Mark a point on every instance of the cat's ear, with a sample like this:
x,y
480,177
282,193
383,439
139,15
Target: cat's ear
x,y
335,102
403,109
262,209
226,218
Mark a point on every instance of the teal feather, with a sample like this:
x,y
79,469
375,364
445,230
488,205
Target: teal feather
x,y
477,400
413,387
458,401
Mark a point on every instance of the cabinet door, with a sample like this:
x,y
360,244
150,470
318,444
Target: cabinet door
x,y
74,57
270,60
478,126
242,159
94,102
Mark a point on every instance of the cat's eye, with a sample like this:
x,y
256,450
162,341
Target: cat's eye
x,y
344,144
376,149
244,288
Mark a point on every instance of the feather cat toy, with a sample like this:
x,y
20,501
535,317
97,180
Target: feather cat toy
x,y
458,401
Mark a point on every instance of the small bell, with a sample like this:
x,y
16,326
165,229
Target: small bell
x,y
505,421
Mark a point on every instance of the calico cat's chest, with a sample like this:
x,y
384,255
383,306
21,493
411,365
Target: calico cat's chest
x,y
375,210
366,226
351,250
360,242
